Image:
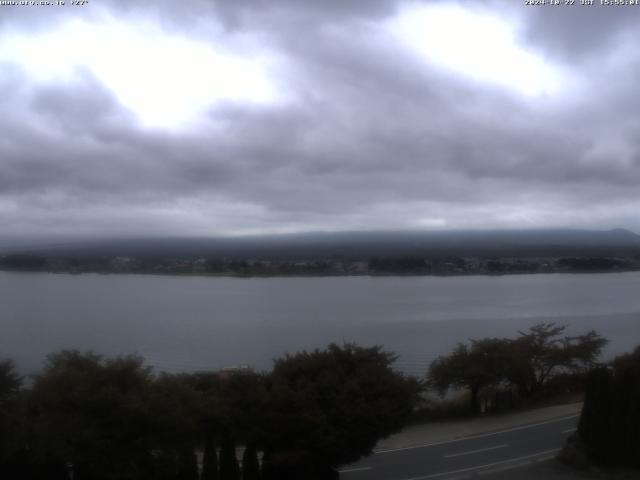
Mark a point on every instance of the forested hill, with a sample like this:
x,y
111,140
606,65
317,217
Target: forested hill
x,y
354,245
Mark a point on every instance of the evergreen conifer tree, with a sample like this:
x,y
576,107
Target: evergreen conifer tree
x,y
610,421
594,423
209,459
250,463
188,465
229,468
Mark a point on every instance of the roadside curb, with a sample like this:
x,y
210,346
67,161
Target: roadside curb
x,y
417,436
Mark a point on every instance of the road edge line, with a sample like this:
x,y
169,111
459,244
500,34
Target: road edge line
x,y
471,437
479,467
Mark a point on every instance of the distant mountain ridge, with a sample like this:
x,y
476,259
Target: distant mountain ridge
x,y
359,245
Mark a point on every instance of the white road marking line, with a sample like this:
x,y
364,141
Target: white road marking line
x,y
471,437
569,430
478,467
470,452
359,469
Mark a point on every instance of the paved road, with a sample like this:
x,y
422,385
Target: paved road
x,y
481,454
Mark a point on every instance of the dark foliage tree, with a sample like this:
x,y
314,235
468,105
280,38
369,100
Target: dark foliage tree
x,y
330,407
624,436
93,414
229,468
209,458
496,266
250,463
234,403
399,265
241,399
17,457
596,413
610,421
268,470
186,408
176,408
473,367
528,363
542,352
108,419
596,264
210,419
25,464
10,383
165,465
628,361
187,464
23,262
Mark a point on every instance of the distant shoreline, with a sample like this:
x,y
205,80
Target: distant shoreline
x,y
319,275
320,266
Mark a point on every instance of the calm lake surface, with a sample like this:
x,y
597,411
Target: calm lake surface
x,y
193,323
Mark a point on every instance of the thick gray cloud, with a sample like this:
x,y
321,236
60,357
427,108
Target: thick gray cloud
x,y
573,34
370,135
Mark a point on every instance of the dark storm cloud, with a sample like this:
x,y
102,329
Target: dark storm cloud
x,y
373,136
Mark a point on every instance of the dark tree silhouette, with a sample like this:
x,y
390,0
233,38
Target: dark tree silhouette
x,y
187,465
229,468
10,381
330,407
595,419
10,418
23,262
250,463
610,421
209,459
542,352
106,419
527,362
474,367
92,413
176,408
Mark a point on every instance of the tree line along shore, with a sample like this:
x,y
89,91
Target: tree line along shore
x,y
87,417
332,266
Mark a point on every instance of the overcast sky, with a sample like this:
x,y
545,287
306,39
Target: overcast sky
x,y
199,117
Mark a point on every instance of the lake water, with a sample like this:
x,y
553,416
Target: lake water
x,y
194,323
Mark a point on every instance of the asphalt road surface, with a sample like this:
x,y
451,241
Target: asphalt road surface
x,y
477,455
